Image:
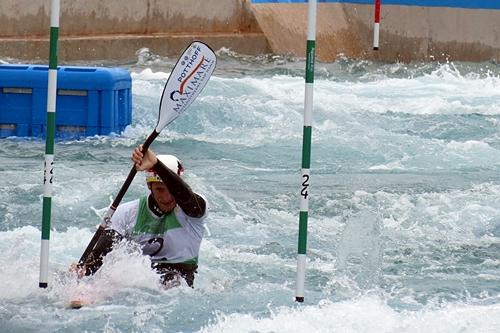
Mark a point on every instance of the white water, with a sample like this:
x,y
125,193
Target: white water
x,y
404,220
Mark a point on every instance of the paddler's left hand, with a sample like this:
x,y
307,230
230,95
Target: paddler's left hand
x,y
143,161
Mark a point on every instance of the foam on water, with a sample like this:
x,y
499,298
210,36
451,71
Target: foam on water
x,y
366,314
403,226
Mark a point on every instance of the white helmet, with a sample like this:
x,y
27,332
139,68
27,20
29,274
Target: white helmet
x,y
170,162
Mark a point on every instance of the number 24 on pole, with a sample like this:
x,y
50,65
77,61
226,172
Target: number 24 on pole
x,y
305,186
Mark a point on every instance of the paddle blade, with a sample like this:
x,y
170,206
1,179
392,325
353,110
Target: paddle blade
x,y
188,78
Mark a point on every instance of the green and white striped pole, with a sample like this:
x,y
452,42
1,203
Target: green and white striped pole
x,y
306,151
48,170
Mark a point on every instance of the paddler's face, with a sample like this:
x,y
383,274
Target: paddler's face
x,y
165,200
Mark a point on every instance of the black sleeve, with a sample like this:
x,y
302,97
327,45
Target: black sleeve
x,y
103,246
191,203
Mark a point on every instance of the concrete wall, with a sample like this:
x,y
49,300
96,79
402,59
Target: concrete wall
x,y
116,29
97,17
407,33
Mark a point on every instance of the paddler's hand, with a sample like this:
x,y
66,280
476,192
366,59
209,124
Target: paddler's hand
x,y
143,161
78,270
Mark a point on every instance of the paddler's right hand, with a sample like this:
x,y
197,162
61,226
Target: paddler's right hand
x,y
78,270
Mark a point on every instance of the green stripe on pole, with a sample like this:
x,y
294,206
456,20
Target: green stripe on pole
x,y
54,35
302,232
306,147
311,47
47,207
51,124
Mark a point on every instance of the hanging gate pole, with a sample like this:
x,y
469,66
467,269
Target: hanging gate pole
x,y
48,170
306,150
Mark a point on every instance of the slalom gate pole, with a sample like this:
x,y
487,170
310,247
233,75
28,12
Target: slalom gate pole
x,y
306,150
48,170
376,25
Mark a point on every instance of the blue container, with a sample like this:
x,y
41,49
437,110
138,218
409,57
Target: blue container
x,y
90,100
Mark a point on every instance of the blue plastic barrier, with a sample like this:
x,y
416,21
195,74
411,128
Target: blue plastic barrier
x,y
90,100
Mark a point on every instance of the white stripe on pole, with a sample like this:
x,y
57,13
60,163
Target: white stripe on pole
x,y
308,101
44,261
376,25
376,34
311,20
52,91
54,13
301,275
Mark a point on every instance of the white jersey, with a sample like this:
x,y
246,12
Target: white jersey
x,y
177,236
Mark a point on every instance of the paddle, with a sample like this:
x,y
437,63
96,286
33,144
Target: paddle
x,y
188,78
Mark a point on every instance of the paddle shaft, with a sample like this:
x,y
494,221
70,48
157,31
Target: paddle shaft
x,y
116,202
